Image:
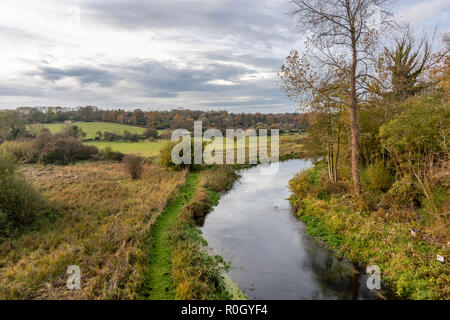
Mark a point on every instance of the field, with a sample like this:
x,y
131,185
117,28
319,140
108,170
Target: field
x,y
90,128
145,148
103,218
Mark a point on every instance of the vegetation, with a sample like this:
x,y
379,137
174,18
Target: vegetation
x,y
110,155
62,148
134,165
145,148
20,203
397,218
383,237
179,266
92,128
107,239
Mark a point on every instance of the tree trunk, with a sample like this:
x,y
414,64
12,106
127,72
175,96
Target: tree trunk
x,y
354,125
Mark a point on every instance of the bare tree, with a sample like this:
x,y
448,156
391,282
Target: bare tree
x,y
343,37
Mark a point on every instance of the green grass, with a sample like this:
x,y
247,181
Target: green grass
x,y
91,128
158,284
145,148
408,264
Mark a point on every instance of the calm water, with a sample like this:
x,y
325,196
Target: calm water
x,y
271,256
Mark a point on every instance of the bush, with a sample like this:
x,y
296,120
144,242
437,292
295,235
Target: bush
x,y
377,177
73,131
19,201
130,136
151,133
110,136
25,151
403,193
220,178
110,155
166,157
134,165
63,151
200,205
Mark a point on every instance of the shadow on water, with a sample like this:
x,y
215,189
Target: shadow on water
x,y
271,255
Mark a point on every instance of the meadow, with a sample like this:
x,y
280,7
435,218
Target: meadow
x,y
91,128
102,222
149,149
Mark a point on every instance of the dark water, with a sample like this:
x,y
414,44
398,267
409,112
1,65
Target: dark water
x,y
271,256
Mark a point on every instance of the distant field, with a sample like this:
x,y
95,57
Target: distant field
x,y
92,127
145,148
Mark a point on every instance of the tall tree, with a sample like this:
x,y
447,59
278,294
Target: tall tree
x,y
343,35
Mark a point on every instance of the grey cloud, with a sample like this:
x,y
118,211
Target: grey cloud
x,y
85,75
246,20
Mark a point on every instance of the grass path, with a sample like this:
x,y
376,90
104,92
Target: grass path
x,y
157,285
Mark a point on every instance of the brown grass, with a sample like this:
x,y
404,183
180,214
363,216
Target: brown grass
x,y
104,216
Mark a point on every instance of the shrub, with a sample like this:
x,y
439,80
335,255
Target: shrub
x,y
110,136
166,134
166,157
377,177
333,187
130,136
19,201
134,165
200,205
73,131
25,151
220,178
63,151
403,193
151,133
110,155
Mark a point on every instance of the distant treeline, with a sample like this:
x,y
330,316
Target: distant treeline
x,y
173,119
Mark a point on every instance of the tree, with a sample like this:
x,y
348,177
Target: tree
x,y
73,131
343,38
402,67
12,125
151,133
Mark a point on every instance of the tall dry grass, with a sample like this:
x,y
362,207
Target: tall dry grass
x,y
104,217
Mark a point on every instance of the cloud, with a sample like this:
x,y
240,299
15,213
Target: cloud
x,y
204,54
84,75
427,11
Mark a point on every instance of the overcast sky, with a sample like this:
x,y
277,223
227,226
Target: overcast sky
x,y
157,54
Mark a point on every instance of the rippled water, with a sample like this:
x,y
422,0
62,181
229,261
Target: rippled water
x,y
271,256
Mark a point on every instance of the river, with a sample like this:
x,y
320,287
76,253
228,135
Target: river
x,y
271,256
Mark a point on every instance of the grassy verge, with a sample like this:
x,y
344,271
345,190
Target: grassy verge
x,y
196,273
180,267
408,263
158,284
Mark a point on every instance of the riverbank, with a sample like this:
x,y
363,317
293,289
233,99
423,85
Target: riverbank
x,y
407,259
179,266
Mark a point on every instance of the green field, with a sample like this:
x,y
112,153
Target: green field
x,y
92,127
145,148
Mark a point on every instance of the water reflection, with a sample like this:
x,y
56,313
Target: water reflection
x,y
271,256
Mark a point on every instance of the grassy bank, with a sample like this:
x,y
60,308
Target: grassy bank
x,y
158,284
407,260
179,266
